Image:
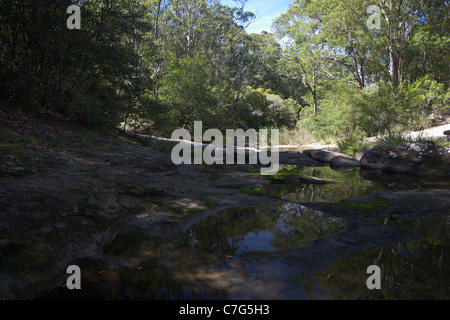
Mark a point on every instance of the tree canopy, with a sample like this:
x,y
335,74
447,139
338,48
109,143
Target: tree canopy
x,y
173,62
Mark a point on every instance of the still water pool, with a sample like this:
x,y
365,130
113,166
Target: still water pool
x,y
212,259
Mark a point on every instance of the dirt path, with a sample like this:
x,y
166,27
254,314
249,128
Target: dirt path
x,y
435,132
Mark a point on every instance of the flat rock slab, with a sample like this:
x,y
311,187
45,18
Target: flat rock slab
x,y
324,156
295,157
340,162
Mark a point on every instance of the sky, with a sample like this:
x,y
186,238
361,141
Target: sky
x,y
265,11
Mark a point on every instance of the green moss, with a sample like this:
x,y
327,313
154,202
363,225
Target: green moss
x,y
435,171
164,147
209,201
125,245
383,203
284,174
194,210
108,145
359,206
56,141
177,216
35,257
19,257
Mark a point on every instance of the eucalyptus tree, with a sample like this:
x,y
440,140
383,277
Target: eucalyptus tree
x,y
227,47
306,52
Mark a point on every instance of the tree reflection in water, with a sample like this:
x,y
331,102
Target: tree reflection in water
x,y
419,269
209,260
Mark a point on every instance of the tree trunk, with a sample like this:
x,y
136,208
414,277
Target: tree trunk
x,y
315,100
314,93
394,65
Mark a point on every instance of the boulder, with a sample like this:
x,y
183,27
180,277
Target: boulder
x,y
447,132
423,158
340,162
360,153
295,157
336,160
284,157
323,155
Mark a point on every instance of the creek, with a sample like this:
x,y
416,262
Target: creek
x,y
222,255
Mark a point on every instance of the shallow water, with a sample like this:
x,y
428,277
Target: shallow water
x,y
210,260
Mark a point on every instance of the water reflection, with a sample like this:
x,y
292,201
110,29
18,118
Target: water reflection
x,y
274,226
173,270
209,260
342,184
206,261
348,183
418,269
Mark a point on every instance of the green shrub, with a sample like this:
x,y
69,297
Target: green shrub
x,y
336,118
384,110
351,144
394,138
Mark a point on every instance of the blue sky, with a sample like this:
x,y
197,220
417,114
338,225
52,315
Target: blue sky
x,y
265,11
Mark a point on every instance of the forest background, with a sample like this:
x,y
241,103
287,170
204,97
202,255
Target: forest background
x,y
322,74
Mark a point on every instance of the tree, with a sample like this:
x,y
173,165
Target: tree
x,y
307,50
185,88
94,74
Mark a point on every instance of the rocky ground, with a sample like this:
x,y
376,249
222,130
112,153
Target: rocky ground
x,y
66,191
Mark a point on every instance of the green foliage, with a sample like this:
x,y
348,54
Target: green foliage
x,y
381,109
186,92
170,63
399,76
297,136
336,117
443,143
89,74
394,138
377,110
353,143
263,109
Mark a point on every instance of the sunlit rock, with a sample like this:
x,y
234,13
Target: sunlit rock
x,y
423,158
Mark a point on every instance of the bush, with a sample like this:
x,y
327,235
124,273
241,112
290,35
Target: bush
x,y
336,118
298,136
384,110
185,89
395,138
353,143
